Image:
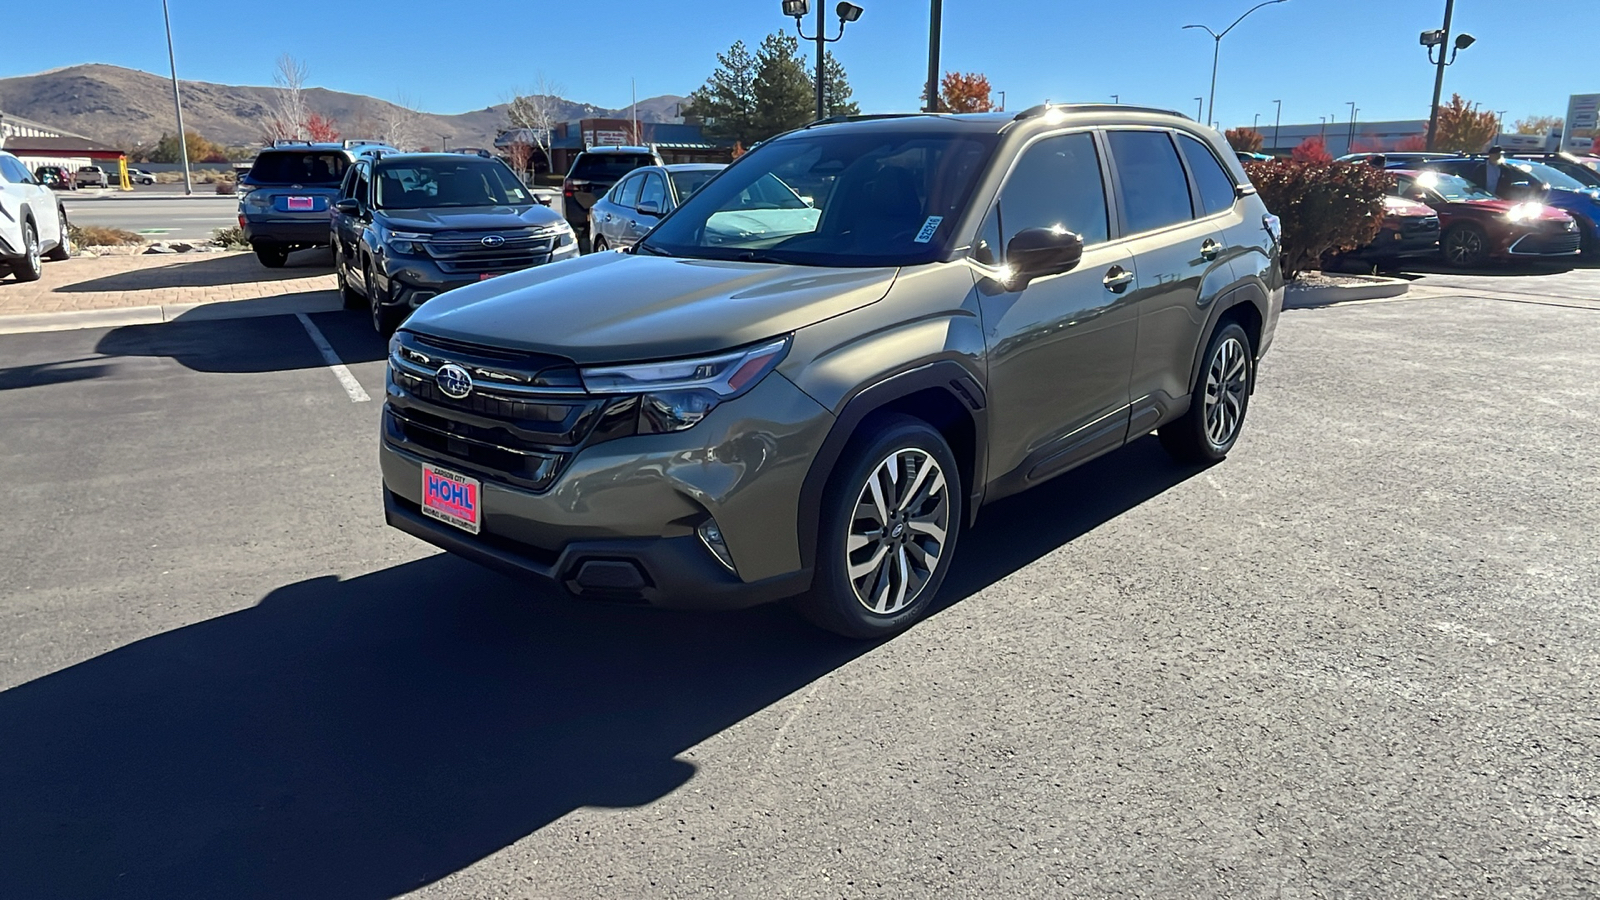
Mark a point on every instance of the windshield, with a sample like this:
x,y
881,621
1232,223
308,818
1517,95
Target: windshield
x,y
1579,172
299,167
1553,177
430,184
849,198
608,166
1453,188
687,182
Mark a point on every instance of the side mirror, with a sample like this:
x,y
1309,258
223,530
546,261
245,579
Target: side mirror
x,y
1037,252
650,207
350,206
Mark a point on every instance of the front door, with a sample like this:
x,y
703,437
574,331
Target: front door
x,y
347,228
1059,348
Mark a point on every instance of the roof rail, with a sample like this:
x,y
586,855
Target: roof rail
x,y
283,142
353,142
865,117
1041,109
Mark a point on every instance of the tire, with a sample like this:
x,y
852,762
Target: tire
x,y
385,319
1465,246
1218,404
271,256
600,244
352,298
62,251
28,268
887,552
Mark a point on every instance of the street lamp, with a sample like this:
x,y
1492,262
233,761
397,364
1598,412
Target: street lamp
x,y
1116,98
1199,107
935,19
1439,38
1350,141
1216,51
1002,101
177,104
1322,134
847,12
1278,120
1255,122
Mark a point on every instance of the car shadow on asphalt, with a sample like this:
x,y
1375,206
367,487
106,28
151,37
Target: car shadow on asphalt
x,y
259,344
206,271
58,372
360,738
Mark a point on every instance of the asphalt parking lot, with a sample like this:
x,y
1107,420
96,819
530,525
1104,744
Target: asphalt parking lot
x,y
1354,660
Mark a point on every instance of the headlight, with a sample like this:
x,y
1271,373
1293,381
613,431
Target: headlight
x,y
406,242
1524,212
564,235
677,394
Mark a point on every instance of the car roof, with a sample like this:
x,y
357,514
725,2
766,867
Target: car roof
x,y
645,150
1046,114
691,167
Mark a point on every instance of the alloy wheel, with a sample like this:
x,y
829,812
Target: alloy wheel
x,y
897,533
1227,381
1465,247
373,305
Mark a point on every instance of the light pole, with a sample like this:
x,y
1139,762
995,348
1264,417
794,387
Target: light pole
x,y
1002,101
1254,123
1323,134
1439,38
1350,140
1277,121
177,104
935,18
847,12
1116,98
1199,107
1216,50
445,138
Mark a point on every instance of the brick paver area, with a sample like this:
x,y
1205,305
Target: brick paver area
x,y
116,282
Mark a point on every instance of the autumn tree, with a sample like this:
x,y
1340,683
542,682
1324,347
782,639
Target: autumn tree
x,y
1311,150
964,92
1412,144
1462,129
1539,124
1245,140
320,128
166,150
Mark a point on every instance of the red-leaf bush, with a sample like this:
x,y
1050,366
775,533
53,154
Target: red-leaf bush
x,y
1311,150
1324,207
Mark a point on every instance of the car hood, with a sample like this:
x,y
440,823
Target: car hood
x,y
616,307
469,218
1498,207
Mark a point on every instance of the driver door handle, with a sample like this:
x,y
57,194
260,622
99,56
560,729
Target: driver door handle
x,y
1210,249
1117,279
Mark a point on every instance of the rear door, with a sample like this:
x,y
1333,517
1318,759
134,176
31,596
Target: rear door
x,y
616,214
1180,255
347,229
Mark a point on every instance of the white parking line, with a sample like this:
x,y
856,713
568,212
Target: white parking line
x,y
351,385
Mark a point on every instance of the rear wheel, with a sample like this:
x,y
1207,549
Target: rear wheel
x,y
890,519
600,245
352,298
1217,406
271,255
1465,246
28,268
63,248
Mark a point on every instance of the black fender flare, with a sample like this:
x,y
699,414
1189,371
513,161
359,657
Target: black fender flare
x,y
960,382
1248,292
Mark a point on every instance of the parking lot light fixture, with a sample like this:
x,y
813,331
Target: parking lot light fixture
x,y
1216,51
847,13
1276,121
1439,37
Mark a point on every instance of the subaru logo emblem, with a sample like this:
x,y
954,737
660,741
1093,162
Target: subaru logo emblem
x,y
493,240
453,381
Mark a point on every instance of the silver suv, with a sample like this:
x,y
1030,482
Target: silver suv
x,y
810,401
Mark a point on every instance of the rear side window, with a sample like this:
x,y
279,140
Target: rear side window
x,y
1216,186
1154,188
299,167
608,166
628,193
1057,184
654,190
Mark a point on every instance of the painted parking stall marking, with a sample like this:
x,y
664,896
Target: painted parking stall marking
x,y
335,364
450,497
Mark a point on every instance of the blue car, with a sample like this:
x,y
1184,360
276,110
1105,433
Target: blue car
x,y
1523,179
284,201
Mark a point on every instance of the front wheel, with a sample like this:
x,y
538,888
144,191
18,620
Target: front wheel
x,y
28,268
1465,247
385,319
1218,403
890,519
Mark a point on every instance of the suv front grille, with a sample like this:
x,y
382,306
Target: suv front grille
x,y
458,252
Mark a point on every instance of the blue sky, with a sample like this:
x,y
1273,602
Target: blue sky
x,y
450,58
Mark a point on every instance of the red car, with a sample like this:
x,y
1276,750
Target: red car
x,y
1477,227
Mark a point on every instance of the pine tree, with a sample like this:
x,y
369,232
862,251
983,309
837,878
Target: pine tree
x,y
783,92
836,87
727,101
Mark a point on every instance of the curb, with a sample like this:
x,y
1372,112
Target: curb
x,y
73,320
1313,298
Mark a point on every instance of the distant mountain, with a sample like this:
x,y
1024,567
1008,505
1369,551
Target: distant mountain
x,y
127,106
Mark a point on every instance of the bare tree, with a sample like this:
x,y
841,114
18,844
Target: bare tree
x,y
287,119
399,123
538,111
519,154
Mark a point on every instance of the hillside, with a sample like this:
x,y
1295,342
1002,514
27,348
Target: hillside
x,y
127,106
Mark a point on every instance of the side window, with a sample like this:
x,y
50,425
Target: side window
x,y
360,184
986,249
1216,185
1057,184
654,190
13,171
628,194
348,189
1154,189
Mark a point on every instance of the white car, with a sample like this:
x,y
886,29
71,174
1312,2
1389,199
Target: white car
x,y
32,222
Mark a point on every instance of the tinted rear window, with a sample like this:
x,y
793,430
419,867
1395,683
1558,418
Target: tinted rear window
x,y
299,167
608,166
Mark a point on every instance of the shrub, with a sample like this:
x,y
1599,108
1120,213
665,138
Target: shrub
x,y
1246,140
100,236
231,237
1311,150
1412,144
1324,207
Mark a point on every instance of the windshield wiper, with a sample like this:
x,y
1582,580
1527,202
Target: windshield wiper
x,y
653,251
758,256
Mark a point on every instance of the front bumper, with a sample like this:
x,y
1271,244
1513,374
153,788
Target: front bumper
x,y
619,522
410,281
1560,243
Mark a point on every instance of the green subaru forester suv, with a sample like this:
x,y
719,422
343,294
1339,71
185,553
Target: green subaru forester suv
x,y
805,381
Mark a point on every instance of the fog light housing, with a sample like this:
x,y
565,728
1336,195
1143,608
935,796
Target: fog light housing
x,y
711,535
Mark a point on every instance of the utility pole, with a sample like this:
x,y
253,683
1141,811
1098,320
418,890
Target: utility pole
x,y
177,103
936,15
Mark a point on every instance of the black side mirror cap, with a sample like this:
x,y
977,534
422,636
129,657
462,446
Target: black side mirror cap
x,y
1036,252
350,206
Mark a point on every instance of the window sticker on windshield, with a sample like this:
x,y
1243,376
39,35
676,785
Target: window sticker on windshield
x,y
928,228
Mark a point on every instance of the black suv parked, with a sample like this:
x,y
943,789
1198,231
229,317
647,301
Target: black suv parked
x,y
407,227
285,198
593,173
761,401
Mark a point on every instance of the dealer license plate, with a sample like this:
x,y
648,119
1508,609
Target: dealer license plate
x,y
301,204
452,498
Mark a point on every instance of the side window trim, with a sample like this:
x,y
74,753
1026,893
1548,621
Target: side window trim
x,y
1117,176
1196,200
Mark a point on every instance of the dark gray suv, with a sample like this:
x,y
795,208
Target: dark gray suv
x,y
770,401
